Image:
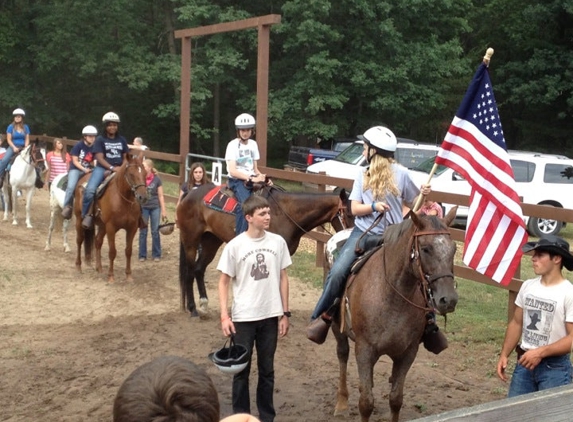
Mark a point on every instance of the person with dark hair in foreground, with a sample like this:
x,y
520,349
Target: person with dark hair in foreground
x,y
170,389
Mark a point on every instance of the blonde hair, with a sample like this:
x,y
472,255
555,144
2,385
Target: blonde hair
x,y
380,178
150,165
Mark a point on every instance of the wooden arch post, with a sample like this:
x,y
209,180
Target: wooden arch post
x,y
263,23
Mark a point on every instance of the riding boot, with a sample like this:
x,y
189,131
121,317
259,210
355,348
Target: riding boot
x,y
317,330
434,340
2,179
67,212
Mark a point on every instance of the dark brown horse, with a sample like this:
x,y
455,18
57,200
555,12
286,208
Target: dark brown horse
x,y
388,300
292,215
118,208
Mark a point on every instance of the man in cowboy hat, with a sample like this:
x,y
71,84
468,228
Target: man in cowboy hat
x,y
543,319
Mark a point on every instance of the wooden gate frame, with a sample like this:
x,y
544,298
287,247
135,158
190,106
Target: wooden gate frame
x,y
263,24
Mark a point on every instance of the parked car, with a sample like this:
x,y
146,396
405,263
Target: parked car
x,y
299,158
541,179
408,153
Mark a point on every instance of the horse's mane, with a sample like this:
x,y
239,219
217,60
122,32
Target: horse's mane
x,y
394,232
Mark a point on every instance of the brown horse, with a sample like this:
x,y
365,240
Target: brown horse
x,y
203,229
387,303
118,208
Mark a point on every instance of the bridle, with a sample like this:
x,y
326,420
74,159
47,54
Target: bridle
x,y
35,157
425,279
132,185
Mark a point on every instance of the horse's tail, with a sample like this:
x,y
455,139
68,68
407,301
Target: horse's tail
x,y
9,205
185,280
89,241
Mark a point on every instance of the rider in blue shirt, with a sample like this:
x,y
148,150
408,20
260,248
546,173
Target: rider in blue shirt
x,y
110,150
18,137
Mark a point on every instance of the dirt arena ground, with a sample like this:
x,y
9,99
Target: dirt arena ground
x,y
69,339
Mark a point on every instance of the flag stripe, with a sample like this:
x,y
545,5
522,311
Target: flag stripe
x,y
474,147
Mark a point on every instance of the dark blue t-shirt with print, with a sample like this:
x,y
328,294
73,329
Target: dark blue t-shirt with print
x,y
84,154
112,149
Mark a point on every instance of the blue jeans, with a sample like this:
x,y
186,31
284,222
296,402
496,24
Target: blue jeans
x,y
95,180
241,195
336,278
153,215
553,371
4,163
263,334
73,176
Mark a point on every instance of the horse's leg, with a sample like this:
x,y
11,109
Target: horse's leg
x,y
342,351
209,247
6,199
65,227
187,255
129,236
98,244
51,228
400,368
365,359
14,207
29,196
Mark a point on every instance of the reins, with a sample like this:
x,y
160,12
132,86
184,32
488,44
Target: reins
x,y
425,280
133,186
341,208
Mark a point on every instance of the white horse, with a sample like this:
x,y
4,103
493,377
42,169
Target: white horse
x,y
57,197
22,177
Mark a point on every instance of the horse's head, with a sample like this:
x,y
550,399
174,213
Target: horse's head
x,y
432,254
37,153
134,174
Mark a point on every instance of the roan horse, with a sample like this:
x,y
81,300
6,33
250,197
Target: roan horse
x,y
292,215
118,208
22,177
387,303
57,195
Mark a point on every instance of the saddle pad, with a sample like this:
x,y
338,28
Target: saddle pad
x,y
219,200
63,183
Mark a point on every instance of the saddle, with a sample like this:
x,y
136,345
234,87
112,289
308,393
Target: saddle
x,y
109,175
63,183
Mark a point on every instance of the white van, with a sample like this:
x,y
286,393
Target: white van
x,y
408,153
541,179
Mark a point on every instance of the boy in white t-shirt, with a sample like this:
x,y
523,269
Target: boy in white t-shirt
x,y
255,263
543,320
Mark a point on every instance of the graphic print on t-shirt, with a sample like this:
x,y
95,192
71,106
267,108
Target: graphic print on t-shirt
x,y
259,269
245,159
538,319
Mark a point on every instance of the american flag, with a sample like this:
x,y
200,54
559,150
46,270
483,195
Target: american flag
x,y
475,147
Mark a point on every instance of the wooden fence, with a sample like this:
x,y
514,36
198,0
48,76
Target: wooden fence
x,y
543,211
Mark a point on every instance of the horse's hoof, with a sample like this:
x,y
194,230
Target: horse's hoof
x,y
29,226
129,279
203,306
111,280
47,248
340,412
67,249
194,313
14,223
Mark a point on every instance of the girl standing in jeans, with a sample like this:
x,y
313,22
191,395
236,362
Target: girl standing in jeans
x,y
152,210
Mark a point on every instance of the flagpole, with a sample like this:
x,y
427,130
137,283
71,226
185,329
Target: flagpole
x,y
486,60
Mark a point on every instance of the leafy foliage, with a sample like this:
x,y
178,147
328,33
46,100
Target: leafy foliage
x,y
336,67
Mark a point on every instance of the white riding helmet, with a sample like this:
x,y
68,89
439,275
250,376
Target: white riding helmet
x,y
381,138
89,130
110,117
18,112
244,121
232,359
